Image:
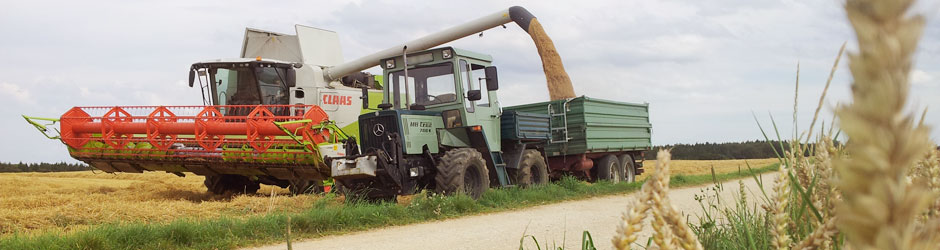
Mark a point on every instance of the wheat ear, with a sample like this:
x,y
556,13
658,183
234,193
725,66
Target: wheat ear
x,y
780,218
879,208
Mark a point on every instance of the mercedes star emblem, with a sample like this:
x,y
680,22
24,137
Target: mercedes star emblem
x,y
378,129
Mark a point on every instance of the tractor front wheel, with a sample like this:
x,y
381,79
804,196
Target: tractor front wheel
x,y
462,171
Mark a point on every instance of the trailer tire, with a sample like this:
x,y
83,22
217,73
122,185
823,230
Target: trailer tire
x,y
231,184
628,168
532,170
462,171
609,169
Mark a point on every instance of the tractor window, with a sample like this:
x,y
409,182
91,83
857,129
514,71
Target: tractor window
x,y
478,78
468,82
429,85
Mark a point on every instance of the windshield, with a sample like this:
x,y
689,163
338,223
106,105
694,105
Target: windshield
x,y
250,86
428,85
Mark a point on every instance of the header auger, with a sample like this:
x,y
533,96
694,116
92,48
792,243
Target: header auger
x,y
279,142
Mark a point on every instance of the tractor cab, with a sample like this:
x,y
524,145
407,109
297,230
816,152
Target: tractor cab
x,y
457,85
439,113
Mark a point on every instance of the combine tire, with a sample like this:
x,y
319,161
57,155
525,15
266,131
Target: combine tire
x,y
608,169
462,171
365,192
231,184
298,187
532,170
628,168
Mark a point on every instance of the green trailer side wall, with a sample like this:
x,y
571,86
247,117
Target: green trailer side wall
x,y
596,125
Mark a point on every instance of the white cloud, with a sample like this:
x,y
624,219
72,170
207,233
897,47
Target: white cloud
x,y
16,92
920,77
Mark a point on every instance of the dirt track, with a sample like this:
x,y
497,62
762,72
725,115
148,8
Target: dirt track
x,y
554,225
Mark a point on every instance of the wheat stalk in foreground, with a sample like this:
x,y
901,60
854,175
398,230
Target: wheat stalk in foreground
x,y
879,208
670,227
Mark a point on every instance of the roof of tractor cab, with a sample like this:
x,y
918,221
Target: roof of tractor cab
x,y
471,54
458,52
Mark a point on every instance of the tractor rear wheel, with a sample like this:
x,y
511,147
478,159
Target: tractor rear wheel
x,y
608,169
462,171
532,169
231,184
628,168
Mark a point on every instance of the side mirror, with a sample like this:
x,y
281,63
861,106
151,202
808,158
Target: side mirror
x,y
474,95
492,81
192,77
365,98
291,78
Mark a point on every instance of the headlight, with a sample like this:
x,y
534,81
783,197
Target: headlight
x,y
446,53
390,64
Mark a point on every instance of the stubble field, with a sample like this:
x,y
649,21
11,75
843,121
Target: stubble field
x,y
36,202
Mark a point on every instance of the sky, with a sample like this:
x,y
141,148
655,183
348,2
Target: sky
x,y
706,68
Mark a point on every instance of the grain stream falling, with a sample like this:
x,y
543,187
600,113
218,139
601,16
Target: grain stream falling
x,y
559,84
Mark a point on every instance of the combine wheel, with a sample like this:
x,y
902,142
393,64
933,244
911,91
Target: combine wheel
x,y
365,191
298,187
462,171
608,169
231,184
627,168
532,170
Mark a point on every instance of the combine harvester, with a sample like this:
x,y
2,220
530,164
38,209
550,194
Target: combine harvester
x,y
285,114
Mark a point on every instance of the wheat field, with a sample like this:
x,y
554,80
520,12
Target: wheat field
x,y
697,167
33,202
68,201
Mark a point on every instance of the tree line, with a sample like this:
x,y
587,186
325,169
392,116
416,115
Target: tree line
x,y
723,151
42,167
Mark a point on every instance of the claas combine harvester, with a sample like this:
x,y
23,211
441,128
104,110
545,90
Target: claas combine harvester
x,y
289,112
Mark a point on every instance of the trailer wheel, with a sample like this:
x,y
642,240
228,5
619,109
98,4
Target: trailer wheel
x,y
532,170
608,168
298,187
231,184
628,168
462,171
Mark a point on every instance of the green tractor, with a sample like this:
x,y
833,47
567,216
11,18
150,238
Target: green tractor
x,y
440,127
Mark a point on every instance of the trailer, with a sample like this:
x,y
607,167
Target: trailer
x,y
588,137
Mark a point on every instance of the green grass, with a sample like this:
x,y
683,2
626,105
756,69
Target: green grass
x,y
328,216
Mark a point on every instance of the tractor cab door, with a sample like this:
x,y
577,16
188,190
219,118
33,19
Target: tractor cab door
x,y
483,112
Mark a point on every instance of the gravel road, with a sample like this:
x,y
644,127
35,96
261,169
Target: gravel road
x,y
554,225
